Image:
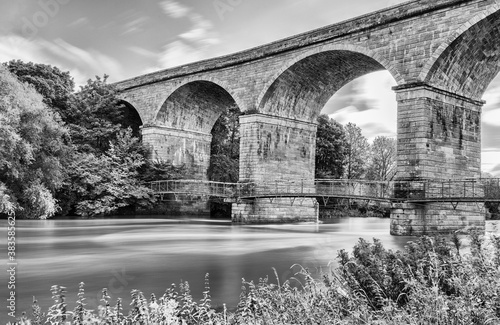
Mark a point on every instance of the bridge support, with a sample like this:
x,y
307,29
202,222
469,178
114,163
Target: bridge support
x,y
272,150
182,148
438,138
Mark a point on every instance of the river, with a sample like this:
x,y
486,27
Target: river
x,y
150,254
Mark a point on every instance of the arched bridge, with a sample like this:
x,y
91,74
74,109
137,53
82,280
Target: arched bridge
x,y
442,55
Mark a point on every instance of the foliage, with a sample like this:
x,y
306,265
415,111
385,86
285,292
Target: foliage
x,y
32,151
330,148
492,192
357,152
95,119
225,148
429,282
154,170
382,166
55,86
110,181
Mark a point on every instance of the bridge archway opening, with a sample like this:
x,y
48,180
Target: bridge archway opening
x,y
303,90
195,106
367,101
131,117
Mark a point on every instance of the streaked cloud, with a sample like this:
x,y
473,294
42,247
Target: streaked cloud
x,y
174,9
191,45
80,22
135,25
83,64
143,52
371,105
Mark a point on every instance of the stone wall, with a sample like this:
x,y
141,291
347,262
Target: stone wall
x,y
181,148
436,218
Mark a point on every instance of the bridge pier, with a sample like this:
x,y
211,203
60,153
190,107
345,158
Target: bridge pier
x,y
274,150
186,148
439,138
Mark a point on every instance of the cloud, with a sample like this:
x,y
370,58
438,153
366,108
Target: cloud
x,y
135,25
82,64
371,105
178,53
174,9
79,22
191,45
490,162
143,52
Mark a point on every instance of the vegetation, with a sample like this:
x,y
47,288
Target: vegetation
x,y
357,152
65,152
382,165
331,145
33,150
432,281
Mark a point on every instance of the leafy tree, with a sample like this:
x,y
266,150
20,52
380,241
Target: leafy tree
x,y
383,159
32,151
357,150
330,148
225,148
55,86
95,118
108,182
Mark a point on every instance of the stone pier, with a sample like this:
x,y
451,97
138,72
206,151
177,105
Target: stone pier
x,y
273,150
439,138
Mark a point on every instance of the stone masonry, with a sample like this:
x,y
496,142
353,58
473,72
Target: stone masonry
x,y
275,149
442,54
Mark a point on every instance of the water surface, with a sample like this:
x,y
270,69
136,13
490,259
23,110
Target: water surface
x,y
150,254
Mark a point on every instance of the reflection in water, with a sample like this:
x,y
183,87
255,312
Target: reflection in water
x,y
151,254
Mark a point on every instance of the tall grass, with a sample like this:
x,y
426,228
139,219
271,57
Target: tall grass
x,y
431,281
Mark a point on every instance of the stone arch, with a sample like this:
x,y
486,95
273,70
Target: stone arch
x,y
470,58
195,106
303,86
132,117
131,104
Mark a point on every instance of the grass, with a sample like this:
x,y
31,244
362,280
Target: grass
x,y
431,281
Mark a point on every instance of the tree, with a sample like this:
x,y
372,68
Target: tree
x,y
32,151
55,86
105,183
330,148
225,148
382,159
96,116
357,152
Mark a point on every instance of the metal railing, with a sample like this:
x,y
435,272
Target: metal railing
x,y
422,190
195,187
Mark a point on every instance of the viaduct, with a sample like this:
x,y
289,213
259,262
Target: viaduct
x,y
443,55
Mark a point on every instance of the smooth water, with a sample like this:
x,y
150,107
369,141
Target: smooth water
x,y
151,254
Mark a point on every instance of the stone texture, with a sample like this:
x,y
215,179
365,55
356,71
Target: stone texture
x,y
181,148
272,150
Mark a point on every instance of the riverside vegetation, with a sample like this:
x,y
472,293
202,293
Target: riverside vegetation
x,y
431,281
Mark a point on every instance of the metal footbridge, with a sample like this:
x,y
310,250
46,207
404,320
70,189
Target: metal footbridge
x,y
421,191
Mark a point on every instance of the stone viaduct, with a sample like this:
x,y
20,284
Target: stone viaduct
x,y
443,55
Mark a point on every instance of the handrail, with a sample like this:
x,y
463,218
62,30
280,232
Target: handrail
x,y
479,189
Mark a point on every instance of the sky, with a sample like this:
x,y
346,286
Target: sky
x,y
127,38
